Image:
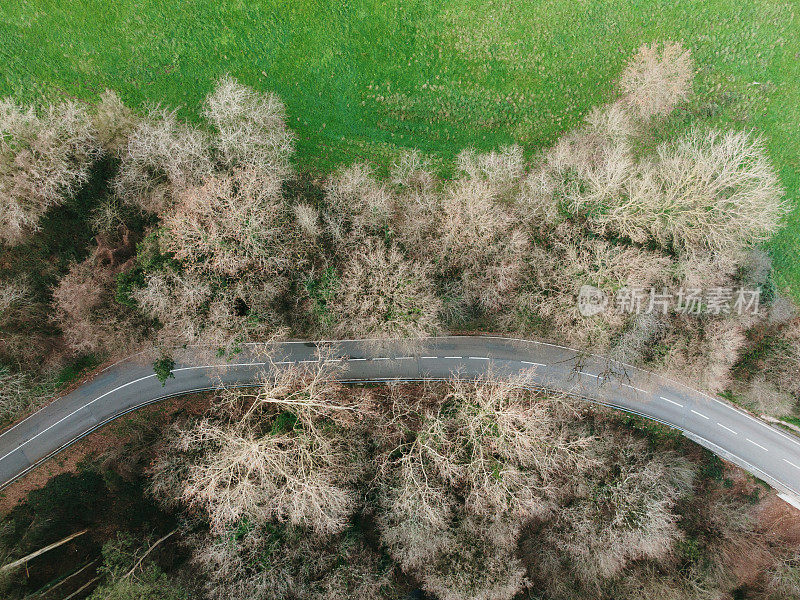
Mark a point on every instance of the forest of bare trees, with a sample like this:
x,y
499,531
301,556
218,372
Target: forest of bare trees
x,y
220,244
478,489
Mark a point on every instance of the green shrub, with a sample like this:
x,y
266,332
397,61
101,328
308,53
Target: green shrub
x,y
163,369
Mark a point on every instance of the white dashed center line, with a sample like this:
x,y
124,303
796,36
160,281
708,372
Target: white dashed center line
x,y
527,362
381,358
479,358
756,444
589,374
672,401
791,463
405,358
727,429
635,388
357,359
699,414
454,357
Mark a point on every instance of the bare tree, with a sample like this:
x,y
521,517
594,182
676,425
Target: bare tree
x,y
479,244
707,191
413,170
477,562
499,448
298,470
250,128
19,394
233,224
573,260
624,511
704,350
784,581
163,157
286,563
382,294
113,121
44,158
194,308
87,313
359,204
657,78
500,170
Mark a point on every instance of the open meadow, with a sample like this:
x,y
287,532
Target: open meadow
x,y
368,78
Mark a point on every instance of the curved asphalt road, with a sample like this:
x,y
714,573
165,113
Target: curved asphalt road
x,y
764,451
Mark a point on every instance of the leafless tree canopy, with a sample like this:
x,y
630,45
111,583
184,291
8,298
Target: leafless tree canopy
x,y
382,294
250,128
657,78
453,474
274,454
207,234
45,156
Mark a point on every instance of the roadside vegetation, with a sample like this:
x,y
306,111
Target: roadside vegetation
x,y
306,488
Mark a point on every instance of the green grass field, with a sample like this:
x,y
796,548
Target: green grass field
x,y
365,78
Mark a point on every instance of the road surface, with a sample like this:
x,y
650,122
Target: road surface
x,y
764,451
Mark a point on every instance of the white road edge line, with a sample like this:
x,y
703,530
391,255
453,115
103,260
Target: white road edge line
x,y
672,401
727,428
62,419
757,444
792,439
699,414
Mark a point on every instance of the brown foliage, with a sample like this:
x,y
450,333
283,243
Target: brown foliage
x,y
85,309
